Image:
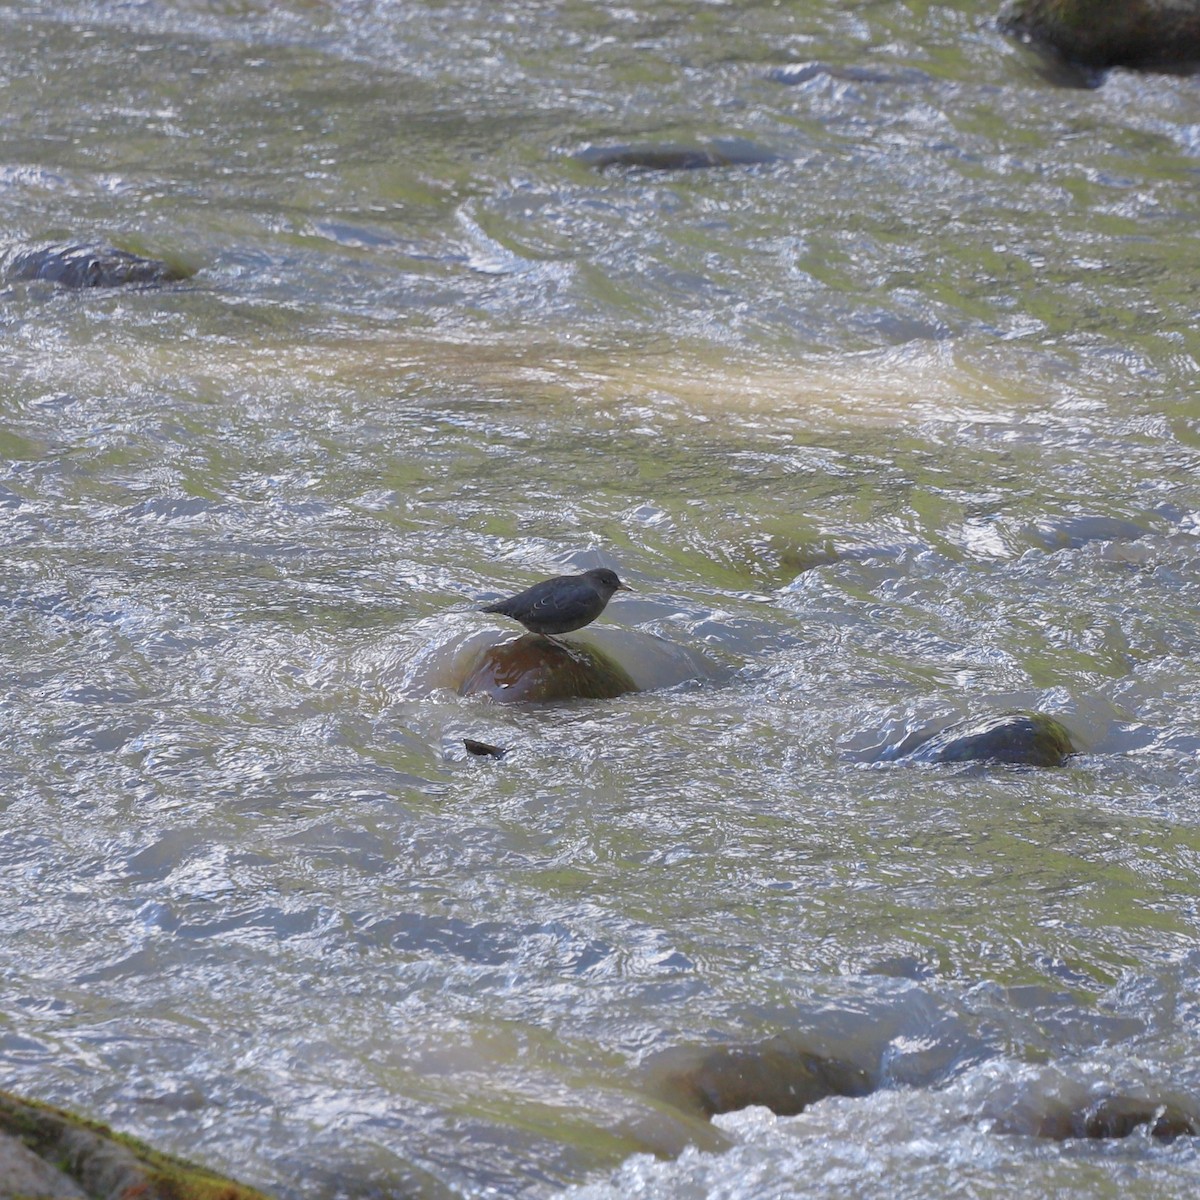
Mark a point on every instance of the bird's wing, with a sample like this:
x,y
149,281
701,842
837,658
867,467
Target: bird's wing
x,y
553,598
542,600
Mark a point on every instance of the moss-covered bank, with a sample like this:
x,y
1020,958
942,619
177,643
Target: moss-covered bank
x,y
47,1153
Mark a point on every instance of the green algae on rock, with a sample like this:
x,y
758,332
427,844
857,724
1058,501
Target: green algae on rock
x,y
47,1153
1101,33
1024,738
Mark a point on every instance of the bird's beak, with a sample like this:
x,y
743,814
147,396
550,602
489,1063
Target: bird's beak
x,y
624,587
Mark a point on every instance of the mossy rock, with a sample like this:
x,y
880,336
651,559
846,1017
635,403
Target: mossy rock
x,y
1025,738
1109,33
533,668
85,1158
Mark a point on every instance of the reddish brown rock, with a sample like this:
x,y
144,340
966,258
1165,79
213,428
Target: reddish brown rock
x,y
531,668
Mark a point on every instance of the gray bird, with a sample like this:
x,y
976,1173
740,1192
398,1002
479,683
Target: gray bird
x,y
563,603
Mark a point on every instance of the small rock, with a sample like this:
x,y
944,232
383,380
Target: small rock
x,y
1030,739
1119,1116
89,266
673,156
1114,1115
484,749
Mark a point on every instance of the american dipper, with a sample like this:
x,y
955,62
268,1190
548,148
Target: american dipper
x,y
563,603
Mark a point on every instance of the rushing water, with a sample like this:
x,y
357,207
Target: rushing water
x,y
895,428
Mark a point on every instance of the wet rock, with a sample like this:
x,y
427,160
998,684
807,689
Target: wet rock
x,y
484,749
1119,1116
89,266
23,1174
1030,739
1110,1116
48,1154
1105,33
448,652
673,156
533,667
779,1074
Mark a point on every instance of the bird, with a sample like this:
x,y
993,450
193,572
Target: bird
x,y
563,603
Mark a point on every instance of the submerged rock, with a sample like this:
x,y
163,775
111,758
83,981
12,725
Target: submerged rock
x,y
1059,1111
533,667
1109,33
49,1154
673,156
778,1074
1031,739
89,266
1118,1116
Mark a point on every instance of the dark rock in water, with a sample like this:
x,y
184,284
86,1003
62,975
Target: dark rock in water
x,y
532,667
1109,33
1119,1116
671,156
1031,739
90,266
484,749
778,1074
1111,1116
52,1155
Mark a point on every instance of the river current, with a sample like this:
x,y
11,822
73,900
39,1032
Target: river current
x,y
891,420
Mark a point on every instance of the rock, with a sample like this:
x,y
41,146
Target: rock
x,y
672,156
89,266
484,749
24,1176
1108,33
1111,1115
533,667
779,1074
48,1154
1031,739
1119,1116
452,652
